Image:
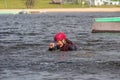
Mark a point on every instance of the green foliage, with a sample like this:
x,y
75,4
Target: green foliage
x,y
12,4
115,0
21,4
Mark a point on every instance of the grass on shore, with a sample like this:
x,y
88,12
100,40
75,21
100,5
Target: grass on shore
x,y
40,4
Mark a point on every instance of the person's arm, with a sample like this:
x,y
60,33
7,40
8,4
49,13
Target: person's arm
x,y
73,47
53,47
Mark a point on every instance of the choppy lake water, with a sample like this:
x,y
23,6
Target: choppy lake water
x,y
24,41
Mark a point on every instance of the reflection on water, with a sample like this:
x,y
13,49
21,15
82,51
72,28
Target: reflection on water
x,y
24,42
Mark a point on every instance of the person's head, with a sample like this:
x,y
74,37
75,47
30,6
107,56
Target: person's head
x,y
60,39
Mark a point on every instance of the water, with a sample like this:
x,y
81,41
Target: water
x,y
24,41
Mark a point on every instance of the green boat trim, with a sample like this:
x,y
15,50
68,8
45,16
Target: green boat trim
x,y
112,19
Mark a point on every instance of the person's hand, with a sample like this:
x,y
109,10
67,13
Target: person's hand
x,y
52,45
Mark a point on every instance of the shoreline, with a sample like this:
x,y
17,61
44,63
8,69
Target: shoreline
x,y
64,10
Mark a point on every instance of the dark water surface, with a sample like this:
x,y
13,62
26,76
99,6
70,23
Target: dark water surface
x,y
24,42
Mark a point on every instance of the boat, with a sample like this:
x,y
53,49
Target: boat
x,y
111,24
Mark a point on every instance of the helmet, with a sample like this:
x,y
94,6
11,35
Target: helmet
x,y
59,36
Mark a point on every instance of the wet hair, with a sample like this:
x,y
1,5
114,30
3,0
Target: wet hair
x,y
68,41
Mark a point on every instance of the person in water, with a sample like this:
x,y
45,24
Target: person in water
x,y
62,43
